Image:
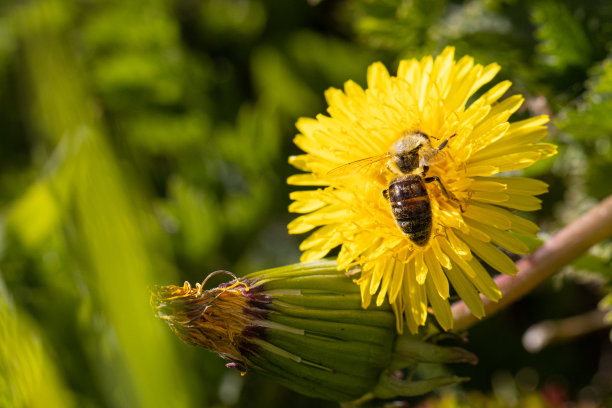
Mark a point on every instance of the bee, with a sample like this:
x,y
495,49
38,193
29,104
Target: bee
x,y
409,159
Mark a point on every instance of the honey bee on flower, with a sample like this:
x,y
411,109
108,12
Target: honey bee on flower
x,y
409,158
408,185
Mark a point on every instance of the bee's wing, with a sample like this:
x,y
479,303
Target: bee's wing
x,y
358,166
431,156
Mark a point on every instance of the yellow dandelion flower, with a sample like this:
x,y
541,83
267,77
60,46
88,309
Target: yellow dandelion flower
x,y
416,138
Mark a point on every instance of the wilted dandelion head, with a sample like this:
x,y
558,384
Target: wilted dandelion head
x,y
214,319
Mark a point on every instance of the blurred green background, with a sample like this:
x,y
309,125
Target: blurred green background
x,y
146,142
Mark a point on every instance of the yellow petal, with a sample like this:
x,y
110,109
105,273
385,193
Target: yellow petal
x,y
483,281
306,180
495,216
378,76
440,305
481,170
455,258
396,281
386,279
420,267
436,273
305,201
440,256
457,245
465,289
522,185
491,185
489,197
491,255
502,238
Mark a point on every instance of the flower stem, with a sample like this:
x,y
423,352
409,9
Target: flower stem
x,y
561,249
542,334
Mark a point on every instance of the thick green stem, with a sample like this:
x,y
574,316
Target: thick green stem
x,y
560,250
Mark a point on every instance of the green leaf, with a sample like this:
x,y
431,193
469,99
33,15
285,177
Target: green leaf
x,y
350,61
591,119
599,265
35,216
278,85
195,213
598,173
161,132
28,376
234,20
395,24
563,41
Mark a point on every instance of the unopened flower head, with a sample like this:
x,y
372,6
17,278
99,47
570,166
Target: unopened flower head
x,y
303,326
408,186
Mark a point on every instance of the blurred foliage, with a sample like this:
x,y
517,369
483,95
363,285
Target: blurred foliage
x,y
145,142
28,377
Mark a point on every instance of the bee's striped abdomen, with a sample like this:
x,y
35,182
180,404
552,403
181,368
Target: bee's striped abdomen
x,y
411,208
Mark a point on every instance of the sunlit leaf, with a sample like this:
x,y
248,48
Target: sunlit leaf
x,y
563,41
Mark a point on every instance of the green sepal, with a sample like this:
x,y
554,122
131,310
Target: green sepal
x,y
340,331
391,386
297,383
369,317
324,301
330,283
410,350
350,357
324,266
320,382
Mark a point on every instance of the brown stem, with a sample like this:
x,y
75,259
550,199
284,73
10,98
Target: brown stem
x,y
544,333
558,251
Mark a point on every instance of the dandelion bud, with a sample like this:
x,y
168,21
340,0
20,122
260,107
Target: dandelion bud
x,y
303,325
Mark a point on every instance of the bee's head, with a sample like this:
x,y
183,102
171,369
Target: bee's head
x,y
405,151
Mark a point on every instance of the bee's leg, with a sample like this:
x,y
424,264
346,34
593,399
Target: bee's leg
x,y
385,193
444,143
436,178
444,191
